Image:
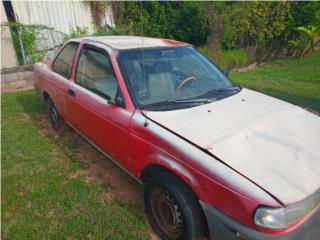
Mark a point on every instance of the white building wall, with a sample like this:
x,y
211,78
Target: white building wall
x,y
64,16
8,53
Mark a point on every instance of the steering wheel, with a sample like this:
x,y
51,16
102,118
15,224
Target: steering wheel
x,y
184,81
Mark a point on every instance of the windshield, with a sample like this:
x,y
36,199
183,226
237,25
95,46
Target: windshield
x,y
162,76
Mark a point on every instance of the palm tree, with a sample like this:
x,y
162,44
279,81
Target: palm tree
x,y
312,34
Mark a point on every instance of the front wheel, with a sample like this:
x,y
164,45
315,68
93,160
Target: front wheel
x,y
172,209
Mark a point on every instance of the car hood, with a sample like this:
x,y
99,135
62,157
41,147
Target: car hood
x,y
271,142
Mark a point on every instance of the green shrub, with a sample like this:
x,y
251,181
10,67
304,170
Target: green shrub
x,y
106,31
27,35
207,52
77,32
233,58
230,58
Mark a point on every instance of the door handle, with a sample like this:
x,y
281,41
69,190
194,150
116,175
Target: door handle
x,y
71,93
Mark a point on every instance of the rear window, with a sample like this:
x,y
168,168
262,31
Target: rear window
x,y
63,62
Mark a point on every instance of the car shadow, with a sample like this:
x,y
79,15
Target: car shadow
x,y
95,167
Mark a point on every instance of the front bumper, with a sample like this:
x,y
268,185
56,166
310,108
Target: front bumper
x,y
223,227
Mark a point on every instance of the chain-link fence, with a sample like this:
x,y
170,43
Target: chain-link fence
x,y
27,44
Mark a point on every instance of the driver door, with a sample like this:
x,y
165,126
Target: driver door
x,y
104,124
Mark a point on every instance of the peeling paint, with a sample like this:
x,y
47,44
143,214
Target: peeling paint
x,y
130,42
273,143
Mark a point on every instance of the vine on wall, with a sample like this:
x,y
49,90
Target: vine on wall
x,y
98,9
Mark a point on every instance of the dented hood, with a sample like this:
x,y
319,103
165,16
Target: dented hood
x,y
273,143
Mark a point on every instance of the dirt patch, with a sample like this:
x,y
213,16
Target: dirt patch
x,y
102,170
248,68
97,167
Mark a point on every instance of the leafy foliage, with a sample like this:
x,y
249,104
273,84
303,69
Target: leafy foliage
x,y
263,29
77,32
105,31
227,58
262,22
306,42
312,34
98,9
231,33
177,20
25,36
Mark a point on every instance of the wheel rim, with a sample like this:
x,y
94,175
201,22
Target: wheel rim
x,y
167,213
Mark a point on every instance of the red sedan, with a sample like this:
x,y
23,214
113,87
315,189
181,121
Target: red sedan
x,y
213,158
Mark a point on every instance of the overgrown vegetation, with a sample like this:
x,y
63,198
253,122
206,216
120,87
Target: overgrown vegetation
x,y
232,34
306,42
228,58
225,30
25,40
98,9
32,42
103,31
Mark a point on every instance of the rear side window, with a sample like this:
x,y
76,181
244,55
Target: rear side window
x,y
95,73
63,62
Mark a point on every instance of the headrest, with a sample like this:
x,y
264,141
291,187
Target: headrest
x,y
161,66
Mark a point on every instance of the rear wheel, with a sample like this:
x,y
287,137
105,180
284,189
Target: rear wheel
x,y
173,210
57,122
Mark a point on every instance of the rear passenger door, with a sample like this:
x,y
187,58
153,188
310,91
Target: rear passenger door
x,y
104,124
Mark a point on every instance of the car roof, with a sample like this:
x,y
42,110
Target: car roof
x,y
133,42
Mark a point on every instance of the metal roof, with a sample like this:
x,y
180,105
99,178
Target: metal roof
x,y
132,42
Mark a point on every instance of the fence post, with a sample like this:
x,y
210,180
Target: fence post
x,y
52,38
22,48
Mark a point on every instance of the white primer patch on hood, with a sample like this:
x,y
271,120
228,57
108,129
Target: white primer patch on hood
x,y
273,143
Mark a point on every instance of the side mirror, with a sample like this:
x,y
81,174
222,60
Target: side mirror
x,y
112,101
117,101
226,71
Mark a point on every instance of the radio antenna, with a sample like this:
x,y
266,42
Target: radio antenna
x,y
146,123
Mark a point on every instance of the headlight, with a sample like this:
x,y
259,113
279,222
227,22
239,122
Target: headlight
x,y
272,218
278,218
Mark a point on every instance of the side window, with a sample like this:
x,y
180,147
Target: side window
x,y
95,73
63,62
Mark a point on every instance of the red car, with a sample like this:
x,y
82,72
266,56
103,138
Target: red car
x,y
213,158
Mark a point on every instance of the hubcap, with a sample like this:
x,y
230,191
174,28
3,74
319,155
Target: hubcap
x,y
167,213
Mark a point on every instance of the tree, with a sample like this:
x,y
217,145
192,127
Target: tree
x,y
312,35
177,20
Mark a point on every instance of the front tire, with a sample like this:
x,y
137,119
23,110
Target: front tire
x,y
173,210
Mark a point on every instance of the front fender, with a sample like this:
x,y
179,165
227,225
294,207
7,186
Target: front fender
x,y
210,179
143,154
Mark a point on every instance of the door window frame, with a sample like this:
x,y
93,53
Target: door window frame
x,y
106,54
73,59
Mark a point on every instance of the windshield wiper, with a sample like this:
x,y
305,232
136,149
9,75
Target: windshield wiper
x,y
193,100
179,101
197,100
220,90
234,88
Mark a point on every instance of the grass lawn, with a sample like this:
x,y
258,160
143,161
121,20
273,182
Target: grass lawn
x,y
45,191
293,80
